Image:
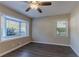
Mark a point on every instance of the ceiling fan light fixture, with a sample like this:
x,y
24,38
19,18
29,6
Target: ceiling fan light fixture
x,y
34,6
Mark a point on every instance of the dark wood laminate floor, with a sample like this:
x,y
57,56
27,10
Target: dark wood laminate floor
x,y
42,50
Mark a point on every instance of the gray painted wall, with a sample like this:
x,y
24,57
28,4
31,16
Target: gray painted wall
x,y
74,25
44,30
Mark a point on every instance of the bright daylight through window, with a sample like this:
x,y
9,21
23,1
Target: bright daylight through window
x,y
12,28
62,28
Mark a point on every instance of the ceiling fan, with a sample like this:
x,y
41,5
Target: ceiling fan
x,y
36,5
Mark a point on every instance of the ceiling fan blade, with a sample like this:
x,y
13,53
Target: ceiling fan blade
x,y
45,3
28,9
39,10
27,2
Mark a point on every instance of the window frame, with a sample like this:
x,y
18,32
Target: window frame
x,y
66,28
16,20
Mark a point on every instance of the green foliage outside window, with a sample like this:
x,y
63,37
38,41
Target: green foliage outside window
x,y
61,31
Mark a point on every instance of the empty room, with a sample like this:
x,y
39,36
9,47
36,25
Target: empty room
x,y
39,28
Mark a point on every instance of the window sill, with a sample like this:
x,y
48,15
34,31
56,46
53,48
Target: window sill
x,y
12,38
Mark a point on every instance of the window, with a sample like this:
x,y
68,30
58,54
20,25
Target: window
x,y
62,28
11,27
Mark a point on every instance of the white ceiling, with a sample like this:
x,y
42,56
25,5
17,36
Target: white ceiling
x,y
57,7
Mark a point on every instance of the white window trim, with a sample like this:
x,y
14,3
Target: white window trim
x,y
14,37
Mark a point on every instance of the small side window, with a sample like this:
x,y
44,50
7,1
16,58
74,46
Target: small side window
x,y
61,28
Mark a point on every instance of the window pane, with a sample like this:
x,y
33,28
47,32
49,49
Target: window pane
x,y
23,28
12,27
61,28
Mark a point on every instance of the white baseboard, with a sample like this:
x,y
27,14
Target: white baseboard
x,y
13,49
75,51
52,43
